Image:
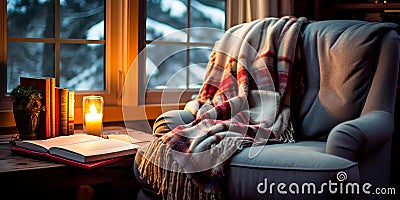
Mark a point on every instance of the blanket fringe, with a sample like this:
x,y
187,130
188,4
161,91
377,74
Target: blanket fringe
x,y
163,172
287,136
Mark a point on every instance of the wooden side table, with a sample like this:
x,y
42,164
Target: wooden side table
x,y
24,177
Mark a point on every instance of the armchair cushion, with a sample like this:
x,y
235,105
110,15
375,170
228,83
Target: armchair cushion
x,y
340,59
301,162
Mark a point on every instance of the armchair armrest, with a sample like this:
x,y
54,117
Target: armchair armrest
x,y
170,120
352,139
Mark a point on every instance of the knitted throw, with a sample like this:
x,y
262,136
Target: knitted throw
x,y
244,101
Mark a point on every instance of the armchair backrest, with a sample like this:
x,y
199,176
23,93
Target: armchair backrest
x,y
350,68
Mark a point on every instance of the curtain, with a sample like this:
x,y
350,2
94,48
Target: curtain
x,y
248,10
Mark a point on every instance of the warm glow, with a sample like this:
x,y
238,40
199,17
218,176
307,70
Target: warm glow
x,y
93,109
94,122
93,116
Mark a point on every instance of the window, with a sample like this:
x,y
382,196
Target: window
x,y
81,43
179,36
57,38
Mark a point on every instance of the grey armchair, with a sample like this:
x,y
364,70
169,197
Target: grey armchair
x,y
344,122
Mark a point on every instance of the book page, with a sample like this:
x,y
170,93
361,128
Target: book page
x,y
44,145
128,135
94,150
123,137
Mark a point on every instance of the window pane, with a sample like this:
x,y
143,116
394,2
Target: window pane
x,y
31,19
199,58
166,66
167,21
205,35
82,66
28,59
82,19
209,15
165,17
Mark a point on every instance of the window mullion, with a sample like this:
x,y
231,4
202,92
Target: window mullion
x,y
80,41
41,40
162,42
188,44
57,44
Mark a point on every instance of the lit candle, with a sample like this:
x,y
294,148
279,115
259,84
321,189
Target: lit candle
x,y
94,122
93,115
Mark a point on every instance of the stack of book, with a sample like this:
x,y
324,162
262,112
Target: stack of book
x,y
57,115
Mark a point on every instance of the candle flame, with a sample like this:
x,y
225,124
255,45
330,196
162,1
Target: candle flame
x,y
93,109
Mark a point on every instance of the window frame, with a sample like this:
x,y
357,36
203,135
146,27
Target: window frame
x,y
153,96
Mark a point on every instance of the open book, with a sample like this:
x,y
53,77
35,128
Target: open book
x,y
81,148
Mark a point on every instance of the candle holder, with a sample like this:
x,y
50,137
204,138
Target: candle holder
x,y
93,115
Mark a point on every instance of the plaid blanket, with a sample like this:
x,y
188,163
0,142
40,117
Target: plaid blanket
x,y
244,101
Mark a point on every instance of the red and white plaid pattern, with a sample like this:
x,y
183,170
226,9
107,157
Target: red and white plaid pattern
x,y
244,100
255,57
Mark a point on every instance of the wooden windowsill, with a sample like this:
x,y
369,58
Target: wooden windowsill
x,y
111,113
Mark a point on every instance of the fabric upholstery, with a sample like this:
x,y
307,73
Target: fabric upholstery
x,y
353,139
339,58
170,120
